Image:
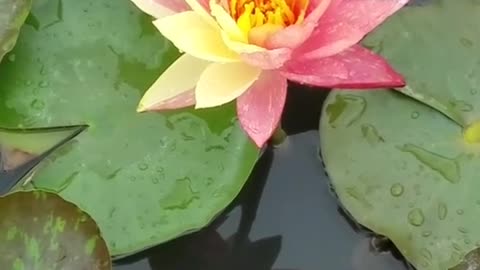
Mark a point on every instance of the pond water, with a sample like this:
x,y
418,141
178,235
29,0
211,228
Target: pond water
x,y
286,218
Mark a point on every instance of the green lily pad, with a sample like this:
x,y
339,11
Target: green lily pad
x,y
145,178
42,231
12,16
398,160
21,150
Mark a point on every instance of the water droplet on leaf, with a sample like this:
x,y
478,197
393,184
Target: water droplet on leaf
x,y
143,166
446,167
396,190
345,110
370,133
461,106
442,211
37,104
415,115
416,217
426,233
43,84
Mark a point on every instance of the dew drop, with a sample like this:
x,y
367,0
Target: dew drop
x,y
415,115
133,178
426,254
345,110
460,212
467,241
397,190
43,84
143,166
155,180
370,133
28,83
456,246
416,217
442,211
37,104
462,230
473,91
426,233
446,167
461,105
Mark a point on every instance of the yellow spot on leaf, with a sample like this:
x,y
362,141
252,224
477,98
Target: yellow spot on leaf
x,y
472,133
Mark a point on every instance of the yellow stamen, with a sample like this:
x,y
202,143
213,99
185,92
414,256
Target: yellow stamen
x,y
256,13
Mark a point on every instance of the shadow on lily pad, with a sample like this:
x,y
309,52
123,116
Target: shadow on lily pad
x,y
42,231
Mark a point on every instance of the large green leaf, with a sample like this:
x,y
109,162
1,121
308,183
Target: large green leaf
x,y
12,15
41,231
402,167
145,178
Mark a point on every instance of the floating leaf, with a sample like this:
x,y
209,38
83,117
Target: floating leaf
x,y
145,178
400,163
22,149
42,231
12,15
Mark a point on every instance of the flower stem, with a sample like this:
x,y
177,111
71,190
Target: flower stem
x,y
279,136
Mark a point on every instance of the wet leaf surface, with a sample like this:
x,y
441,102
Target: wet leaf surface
x,y
399,163
41,231
12,15
145,178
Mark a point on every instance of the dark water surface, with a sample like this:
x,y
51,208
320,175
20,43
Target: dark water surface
x,y
285,218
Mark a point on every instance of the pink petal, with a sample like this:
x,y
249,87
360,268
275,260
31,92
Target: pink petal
x,y
269,59
355,67
162,8
260,108
294,35
185,99
345,23
174,5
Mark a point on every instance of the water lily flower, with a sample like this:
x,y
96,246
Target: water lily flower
x,y
248,49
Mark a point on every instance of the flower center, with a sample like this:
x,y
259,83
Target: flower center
x,y
275,13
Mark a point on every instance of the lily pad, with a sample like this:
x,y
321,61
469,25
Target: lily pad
x,y
21,150
399,160
42,231
12,16
145,178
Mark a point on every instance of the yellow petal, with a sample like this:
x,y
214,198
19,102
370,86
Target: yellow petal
x,y
153,9
189,33
240,47
227,23
200,10
179,77
222,83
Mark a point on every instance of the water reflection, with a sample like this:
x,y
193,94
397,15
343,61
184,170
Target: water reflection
x,y
287,217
